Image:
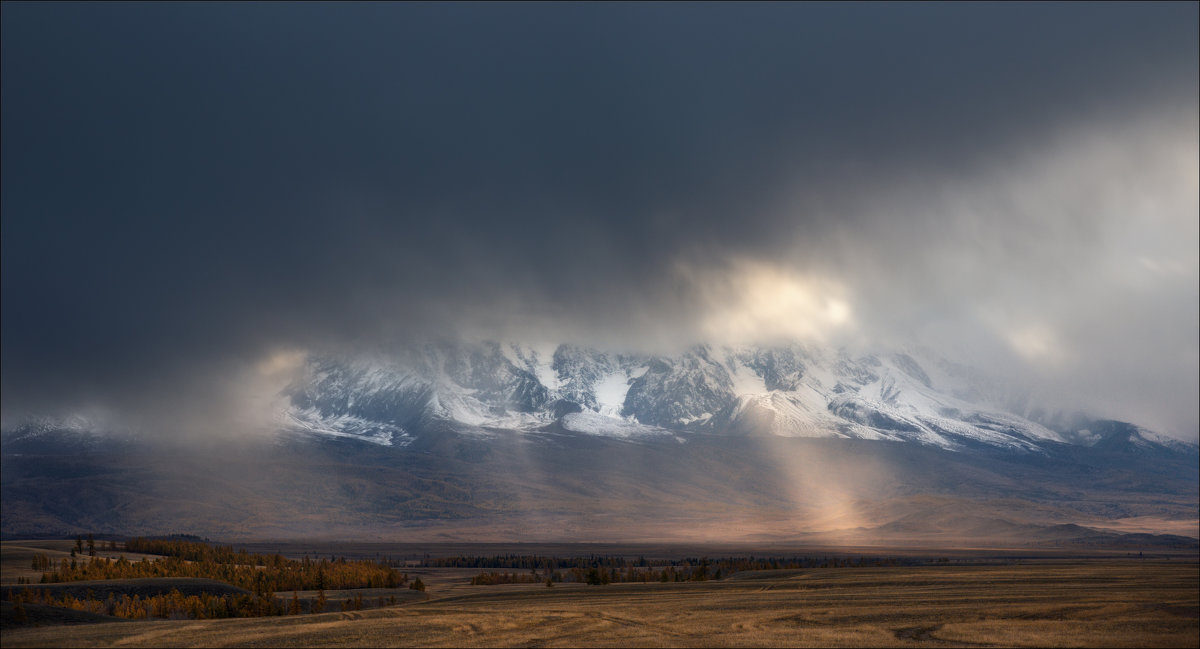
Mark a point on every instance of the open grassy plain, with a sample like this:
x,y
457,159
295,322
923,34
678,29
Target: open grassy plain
x,y
1134,603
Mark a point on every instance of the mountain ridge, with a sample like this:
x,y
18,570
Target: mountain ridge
x,y
789,390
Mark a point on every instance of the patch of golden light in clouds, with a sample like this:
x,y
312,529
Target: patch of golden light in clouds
x,y
1037,343
281,362
1034,340
749,301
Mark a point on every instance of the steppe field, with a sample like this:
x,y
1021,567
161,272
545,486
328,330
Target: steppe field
x,y
1113,602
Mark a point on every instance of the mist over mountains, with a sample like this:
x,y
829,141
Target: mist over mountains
x,y
504,441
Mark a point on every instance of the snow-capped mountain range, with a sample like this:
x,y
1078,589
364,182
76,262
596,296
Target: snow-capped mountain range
x,y
787,391
528,442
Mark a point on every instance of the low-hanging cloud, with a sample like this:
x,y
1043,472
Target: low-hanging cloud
x,y
192,194
1071,267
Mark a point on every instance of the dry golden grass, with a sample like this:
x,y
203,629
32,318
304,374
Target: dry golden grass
x,y
1082,603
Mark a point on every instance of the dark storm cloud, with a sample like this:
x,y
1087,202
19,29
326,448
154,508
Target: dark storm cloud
x,y
188,187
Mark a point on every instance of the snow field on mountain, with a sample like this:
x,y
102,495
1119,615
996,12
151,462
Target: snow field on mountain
x,y
610,393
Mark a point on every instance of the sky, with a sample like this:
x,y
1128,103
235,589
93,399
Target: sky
x,y
193,190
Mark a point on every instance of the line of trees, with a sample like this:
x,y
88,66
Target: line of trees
x,y
494,578
173,605
728,565
278,577
533,562
597,570
254,572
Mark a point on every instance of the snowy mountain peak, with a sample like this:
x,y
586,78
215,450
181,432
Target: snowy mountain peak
x,y
790,391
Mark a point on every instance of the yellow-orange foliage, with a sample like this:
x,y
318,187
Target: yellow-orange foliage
x,y
259,573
